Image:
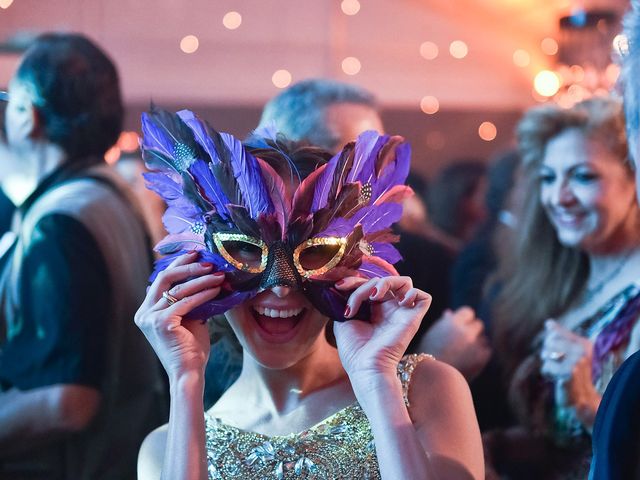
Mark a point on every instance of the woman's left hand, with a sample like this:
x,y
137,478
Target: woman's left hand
x,y
562,350
374,348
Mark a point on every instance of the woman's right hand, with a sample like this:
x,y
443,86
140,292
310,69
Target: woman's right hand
x,y
181,346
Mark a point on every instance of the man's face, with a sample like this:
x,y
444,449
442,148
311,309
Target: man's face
x,y
348,120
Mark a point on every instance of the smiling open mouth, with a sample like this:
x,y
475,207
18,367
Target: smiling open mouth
x,y
277,322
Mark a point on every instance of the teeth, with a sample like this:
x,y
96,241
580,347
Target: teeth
x,y
275,313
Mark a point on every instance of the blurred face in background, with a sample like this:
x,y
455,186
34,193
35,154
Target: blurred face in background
x,y
348,120
587,192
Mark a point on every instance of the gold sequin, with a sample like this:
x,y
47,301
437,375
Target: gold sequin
x,y
339,447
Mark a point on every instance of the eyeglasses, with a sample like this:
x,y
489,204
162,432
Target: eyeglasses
x,y
312,257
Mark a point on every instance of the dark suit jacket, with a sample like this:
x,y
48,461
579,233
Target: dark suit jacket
x,y
616,433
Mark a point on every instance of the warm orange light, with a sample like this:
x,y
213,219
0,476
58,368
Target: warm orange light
x,y
549,46
429,105
487,131
5,3
189,44
351,66
281,78
546,83
112,155
521,58
350,7
232,20
458,49
578,73
612,73
429,50
128,141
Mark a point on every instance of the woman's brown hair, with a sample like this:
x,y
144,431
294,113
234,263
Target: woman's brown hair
x,y
538,277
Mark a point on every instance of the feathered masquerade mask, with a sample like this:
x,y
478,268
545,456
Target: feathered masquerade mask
x,y
236,211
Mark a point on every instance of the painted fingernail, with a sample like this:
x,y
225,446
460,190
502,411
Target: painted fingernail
x,y
347,311
206,264
373,292
218,274
340,282
191,252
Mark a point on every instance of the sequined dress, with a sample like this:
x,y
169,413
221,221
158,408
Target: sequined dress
x,y
339,447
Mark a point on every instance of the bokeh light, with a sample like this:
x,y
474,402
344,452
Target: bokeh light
x,y
5,3
128,141
281,78
458,49
351,66
429,50
612,72
350,7
521,58
232,20
549,46
487,131
189,44
429,105
546,83
112,155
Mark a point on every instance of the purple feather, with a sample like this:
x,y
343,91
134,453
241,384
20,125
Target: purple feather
x,y
373,270
154,138
200,132
210,186
176,220
323,185
386,251
181,241
377,217
367,147
395,173
249,177
339,227
170,191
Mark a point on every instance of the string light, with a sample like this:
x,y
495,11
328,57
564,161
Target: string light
x,y
232,20
281,78
350,7
521,58
549,46
546,83
189,44
429,50
429,105
458,49
487,131
351,66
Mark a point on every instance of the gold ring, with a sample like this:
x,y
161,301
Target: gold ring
x,y
556,356
169,298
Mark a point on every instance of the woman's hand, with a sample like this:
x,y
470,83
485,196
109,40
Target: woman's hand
x,y
562,350
374,348
458,338
566,357
182,347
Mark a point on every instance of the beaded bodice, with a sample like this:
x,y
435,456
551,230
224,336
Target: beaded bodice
x,y
339,447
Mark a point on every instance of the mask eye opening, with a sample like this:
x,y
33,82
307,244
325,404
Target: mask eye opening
x,y
315,242
220,238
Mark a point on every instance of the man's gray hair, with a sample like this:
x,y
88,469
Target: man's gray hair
x,y
299,112
631,78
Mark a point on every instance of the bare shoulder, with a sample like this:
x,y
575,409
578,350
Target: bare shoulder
x,y
437,387
151,454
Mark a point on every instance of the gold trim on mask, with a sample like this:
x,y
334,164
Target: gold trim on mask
x,y
314,242
219,238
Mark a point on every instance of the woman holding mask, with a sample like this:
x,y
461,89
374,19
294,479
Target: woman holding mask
x,y
283,241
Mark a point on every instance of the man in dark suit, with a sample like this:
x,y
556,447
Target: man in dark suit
x,y
616,433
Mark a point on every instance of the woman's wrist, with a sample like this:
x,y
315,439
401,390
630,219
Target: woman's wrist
x,y
378,389
186,382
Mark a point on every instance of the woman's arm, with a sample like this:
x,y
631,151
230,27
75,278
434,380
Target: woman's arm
x,y
437,437
442,440
183,349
